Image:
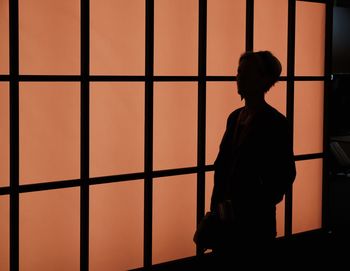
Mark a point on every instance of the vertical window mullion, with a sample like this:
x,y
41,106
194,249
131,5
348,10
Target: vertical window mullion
x,y
290,104
202,53
148,154
327,87
84,134
14,135
249,34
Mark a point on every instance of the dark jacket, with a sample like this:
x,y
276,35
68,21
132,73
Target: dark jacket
x,y
255,173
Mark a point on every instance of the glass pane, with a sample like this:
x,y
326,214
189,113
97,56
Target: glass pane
x,y
50,230
116,226
49,118
175,37
271,28
308,117
49,37
277,97
307,196
117,37
4,233
225,35
117,128
209,185
174,217
280,207
4,37
310,38
222,99
4,134
175,125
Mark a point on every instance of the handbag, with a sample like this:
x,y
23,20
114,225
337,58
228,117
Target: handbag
x,y
214,229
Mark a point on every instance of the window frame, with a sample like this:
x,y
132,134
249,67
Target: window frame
x,y
84,182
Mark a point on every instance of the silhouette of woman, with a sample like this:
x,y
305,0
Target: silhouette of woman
x,y
255,165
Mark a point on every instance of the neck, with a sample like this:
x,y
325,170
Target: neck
x,y
254,104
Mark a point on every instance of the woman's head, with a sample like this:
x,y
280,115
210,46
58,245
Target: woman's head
x,y
257,73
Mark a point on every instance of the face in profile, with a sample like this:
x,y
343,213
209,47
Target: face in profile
x,y
250,81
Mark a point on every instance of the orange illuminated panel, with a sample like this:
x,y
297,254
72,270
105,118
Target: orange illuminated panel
x,y
4,233
308,117
4,37
307,196
175,37
117,37
280,208
5,134
277,97
310,38
222,99
49,37
49,120
116,226
116,128
271,28
175,125
49,231
209,185
174,217
225,35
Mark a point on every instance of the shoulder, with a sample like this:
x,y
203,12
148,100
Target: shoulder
x,y
274,122
234,115
274,115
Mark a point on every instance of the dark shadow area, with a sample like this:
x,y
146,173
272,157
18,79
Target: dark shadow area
x,y
341,38
314,249
339,105
339,164
340,207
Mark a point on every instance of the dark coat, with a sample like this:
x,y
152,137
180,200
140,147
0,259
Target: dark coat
x,y
254,173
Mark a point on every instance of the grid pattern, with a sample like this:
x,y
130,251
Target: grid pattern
x,y
151,80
